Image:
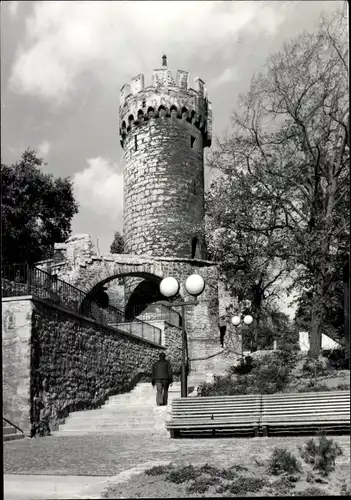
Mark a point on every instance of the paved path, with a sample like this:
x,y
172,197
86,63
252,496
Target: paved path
x,y
36,487
30,487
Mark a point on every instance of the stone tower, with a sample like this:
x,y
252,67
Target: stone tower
x,y
164,129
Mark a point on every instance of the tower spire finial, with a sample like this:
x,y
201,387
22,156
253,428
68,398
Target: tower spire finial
x,y
164,60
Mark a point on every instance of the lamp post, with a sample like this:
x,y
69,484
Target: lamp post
x,y
236,320
169,287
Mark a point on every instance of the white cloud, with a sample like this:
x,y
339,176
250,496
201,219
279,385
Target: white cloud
x,y
99,188
13,9
65,39
230,74
44,148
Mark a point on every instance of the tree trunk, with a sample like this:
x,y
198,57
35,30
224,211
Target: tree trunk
x,y
347,307
316,322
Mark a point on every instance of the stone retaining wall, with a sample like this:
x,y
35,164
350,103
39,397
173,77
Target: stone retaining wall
x,y
56,362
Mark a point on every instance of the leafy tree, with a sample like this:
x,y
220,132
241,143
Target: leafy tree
x,y
289,155
37,210
117,246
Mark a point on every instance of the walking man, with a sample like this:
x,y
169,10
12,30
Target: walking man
x,y
162,377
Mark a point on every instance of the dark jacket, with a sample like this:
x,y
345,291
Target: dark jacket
x,y
161,370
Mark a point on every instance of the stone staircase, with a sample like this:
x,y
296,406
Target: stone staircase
x,y
10,433
131,413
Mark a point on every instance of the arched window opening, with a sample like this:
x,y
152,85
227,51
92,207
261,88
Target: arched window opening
x,y
184,113
162,111
150,112
174,111
140,116
192,141
194,244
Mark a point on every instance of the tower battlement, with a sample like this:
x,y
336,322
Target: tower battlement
x,y
166,99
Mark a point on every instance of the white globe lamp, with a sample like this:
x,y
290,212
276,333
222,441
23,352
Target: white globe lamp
x,y
195,284
169,287
236,320
248,319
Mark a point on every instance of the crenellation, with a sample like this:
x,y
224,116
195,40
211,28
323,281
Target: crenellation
x,y
165,99
183,79
124,93
137,84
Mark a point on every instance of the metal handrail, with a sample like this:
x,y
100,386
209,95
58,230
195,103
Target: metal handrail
x,y
154,311
13,425
22,279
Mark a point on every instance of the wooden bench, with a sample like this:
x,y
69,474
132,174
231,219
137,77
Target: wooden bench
x,y
261,414
215,414
307,411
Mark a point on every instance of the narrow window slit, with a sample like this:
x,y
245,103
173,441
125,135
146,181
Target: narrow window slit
x,y
192,140
135,143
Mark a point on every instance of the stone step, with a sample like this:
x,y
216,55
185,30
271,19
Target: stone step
x,y
102,432
133,413
12,437
9,430
117,417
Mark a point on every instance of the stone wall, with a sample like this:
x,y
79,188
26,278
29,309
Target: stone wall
x,y
16,360
56,362
164,190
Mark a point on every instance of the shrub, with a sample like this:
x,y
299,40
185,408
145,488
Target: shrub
x,y
345,490
158,470
282,486
269,374
321,455
225,386
183,474
282,461
242,485
312,387
202,484
314,367
343,387
337,358
313,492
209,469
245,366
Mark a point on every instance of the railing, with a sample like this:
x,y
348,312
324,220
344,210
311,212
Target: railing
x,y
13,425
22,279
154,312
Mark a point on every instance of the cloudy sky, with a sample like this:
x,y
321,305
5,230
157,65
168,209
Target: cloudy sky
x,y
64,62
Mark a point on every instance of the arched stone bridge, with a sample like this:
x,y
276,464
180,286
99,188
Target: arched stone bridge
x,y
78,263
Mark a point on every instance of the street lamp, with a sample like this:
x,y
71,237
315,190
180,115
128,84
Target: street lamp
x,y
248,319
169,287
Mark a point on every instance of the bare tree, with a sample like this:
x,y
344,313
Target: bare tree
x,y
290,145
